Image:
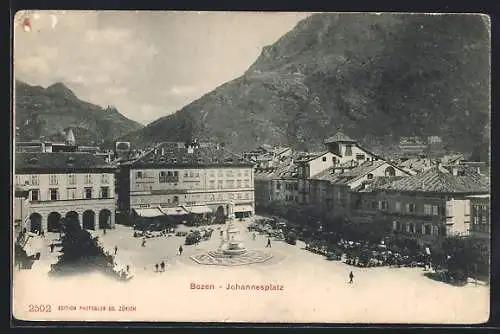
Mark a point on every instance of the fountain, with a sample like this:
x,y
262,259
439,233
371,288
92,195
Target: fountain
x,y
231,250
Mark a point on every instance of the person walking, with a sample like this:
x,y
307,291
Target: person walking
x,y
162,266
351,277
180,250
104,231
42,234
143,243
52,247
116,249
253,236
156,267
128,268
268,242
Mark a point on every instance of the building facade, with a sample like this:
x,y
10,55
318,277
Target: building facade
x,y
58,185
480,222
196,178
426,206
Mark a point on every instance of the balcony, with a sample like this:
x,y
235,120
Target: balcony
x,y
169,179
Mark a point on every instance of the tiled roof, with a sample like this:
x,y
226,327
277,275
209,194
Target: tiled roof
x,y
173,155
59,161
376,182
350,174
439,180
306,157
339,137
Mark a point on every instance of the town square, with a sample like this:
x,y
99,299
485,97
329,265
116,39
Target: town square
x,y
249,167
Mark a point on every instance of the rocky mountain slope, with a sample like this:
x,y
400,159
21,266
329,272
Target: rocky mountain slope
x,y
49,111
375,77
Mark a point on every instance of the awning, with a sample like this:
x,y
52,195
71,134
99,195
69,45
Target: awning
x,y
243,208
175,211
149,212
199,209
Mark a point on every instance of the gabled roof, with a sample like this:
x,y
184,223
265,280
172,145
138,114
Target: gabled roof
x,y
351,174
339,137
439,180
67,161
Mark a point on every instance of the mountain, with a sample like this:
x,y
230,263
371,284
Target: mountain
x,y
51,111
374,77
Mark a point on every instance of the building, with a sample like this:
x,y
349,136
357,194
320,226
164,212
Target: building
x,y
425,206
347,150
342,182
76,185
21,209
197,178
480,225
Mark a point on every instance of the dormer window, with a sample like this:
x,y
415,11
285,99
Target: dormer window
x,y
174,160
369,176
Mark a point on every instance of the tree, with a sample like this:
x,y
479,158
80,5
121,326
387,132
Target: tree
x,y
81,251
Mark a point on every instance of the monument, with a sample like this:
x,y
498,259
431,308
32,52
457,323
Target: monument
x,y
231,250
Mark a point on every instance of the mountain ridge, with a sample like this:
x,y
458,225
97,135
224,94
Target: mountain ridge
x,y
374,77
48,112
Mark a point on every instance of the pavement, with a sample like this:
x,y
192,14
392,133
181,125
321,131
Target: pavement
x,y
314,289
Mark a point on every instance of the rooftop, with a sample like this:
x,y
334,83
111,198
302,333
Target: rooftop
x,y
339,137
349,175
59,161
439,180
169,154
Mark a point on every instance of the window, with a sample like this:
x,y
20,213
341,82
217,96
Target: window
x,y
238,183
374,205
138,175
211,173
88,193
369,176
324,159
360,157
186,173
238,196
230,183
427,229
398,206
211,197
71,193
219,184
410,207
412,228
231,196
278,186
348,150
35,195
104,179
220,173
246,173
238,173
35,181
247,195
176,200
428,209
384,205
88,179
435,210
296,186
211,184
104,192
71,179
18,179
176,174
53,180
54,194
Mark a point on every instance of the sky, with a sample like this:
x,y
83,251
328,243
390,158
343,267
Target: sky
x,y
146,64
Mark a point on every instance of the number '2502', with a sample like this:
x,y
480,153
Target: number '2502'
x,y
39,308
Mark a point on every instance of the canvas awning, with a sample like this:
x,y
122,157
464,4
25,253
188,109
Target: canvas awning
x,y
198,209
243,208
175,211
149,212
